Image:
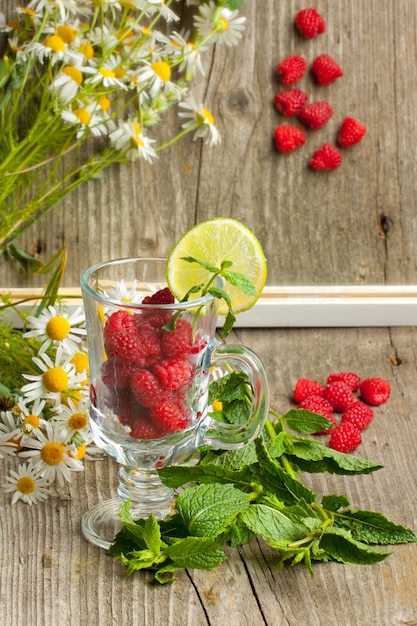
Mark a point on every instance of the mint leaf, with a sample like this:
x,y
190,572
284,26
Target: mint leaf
x,y
334,503
233,459
274,526
152,535
239,280
177,475
276,480
207,510
201,552
314,457
375,528
207,266
305,422
234,386
342,547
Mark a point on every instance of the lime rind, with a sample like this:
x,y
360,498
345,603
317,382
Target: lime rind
x,y
215,241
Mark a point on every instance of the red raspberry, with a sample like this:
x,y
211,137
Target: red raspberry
x,y
150,344
144,428
310,23
291,69
326,70
163,296
316,115
345,438
375,391
170,415
358,414
326,158
317,404
291,102
339,395
147,388
349,378
173,373
119,321
116,374
351,132
305,387
289,138
179,340
124,347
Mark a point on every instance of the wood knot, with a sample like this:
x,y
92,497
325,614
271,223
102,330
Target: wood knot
x,y
238,101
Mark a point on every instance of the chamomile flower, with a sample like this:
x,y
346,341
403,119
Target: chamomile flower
x,y
201,119
160,6
56,327
56,378
109,74
126,293
7,447
52,48
223,25
156,77
65,8
27,484
74,417
88,119
129,137
48,452
31,417
181,47
67,83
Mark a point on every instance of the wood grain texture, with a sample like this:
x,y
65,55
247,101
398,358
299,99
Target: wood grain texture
x,y
51,577
353,226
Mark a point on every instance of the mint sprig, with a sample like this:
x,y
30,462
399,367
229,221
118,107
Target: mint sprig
x,y
256,491
212,288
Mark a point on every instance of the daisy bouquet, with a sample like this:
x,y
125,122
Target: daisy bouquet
x,y
83,84
44,403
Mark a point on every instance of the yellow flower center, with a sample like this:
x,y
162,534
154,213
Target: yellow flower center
x,y
52,453
73,73
107,73
55,379
80,361
58,328
80,451
217,405
222,25
135,141
162,70
26,485
83,115
206,116
104,104
55,43
146,31
87,50
78,421
33,420
66,33
75,396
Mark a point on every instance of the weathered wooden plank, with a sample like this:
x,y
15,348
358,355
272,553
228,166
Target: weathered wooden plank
x,y
51,576
353,226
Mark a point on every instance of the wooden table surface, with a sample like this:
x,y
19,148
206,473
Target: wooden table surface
x,y
356,226
50,576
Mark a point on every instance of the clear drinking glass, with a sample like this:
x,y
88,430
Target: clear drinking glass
x,y
150,367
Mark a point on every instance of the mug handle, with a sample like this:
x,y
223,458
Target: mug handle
x,y
233,436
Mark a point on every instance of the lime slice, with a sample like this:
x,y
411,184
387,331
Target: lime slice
x,y
214,241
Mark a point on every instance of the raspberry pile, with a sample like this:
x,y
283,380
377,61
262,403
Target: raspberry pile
x,y
346,394
149,368
293,102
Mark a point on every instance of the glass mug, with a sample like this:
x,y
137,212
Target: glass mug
x,y
151,361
